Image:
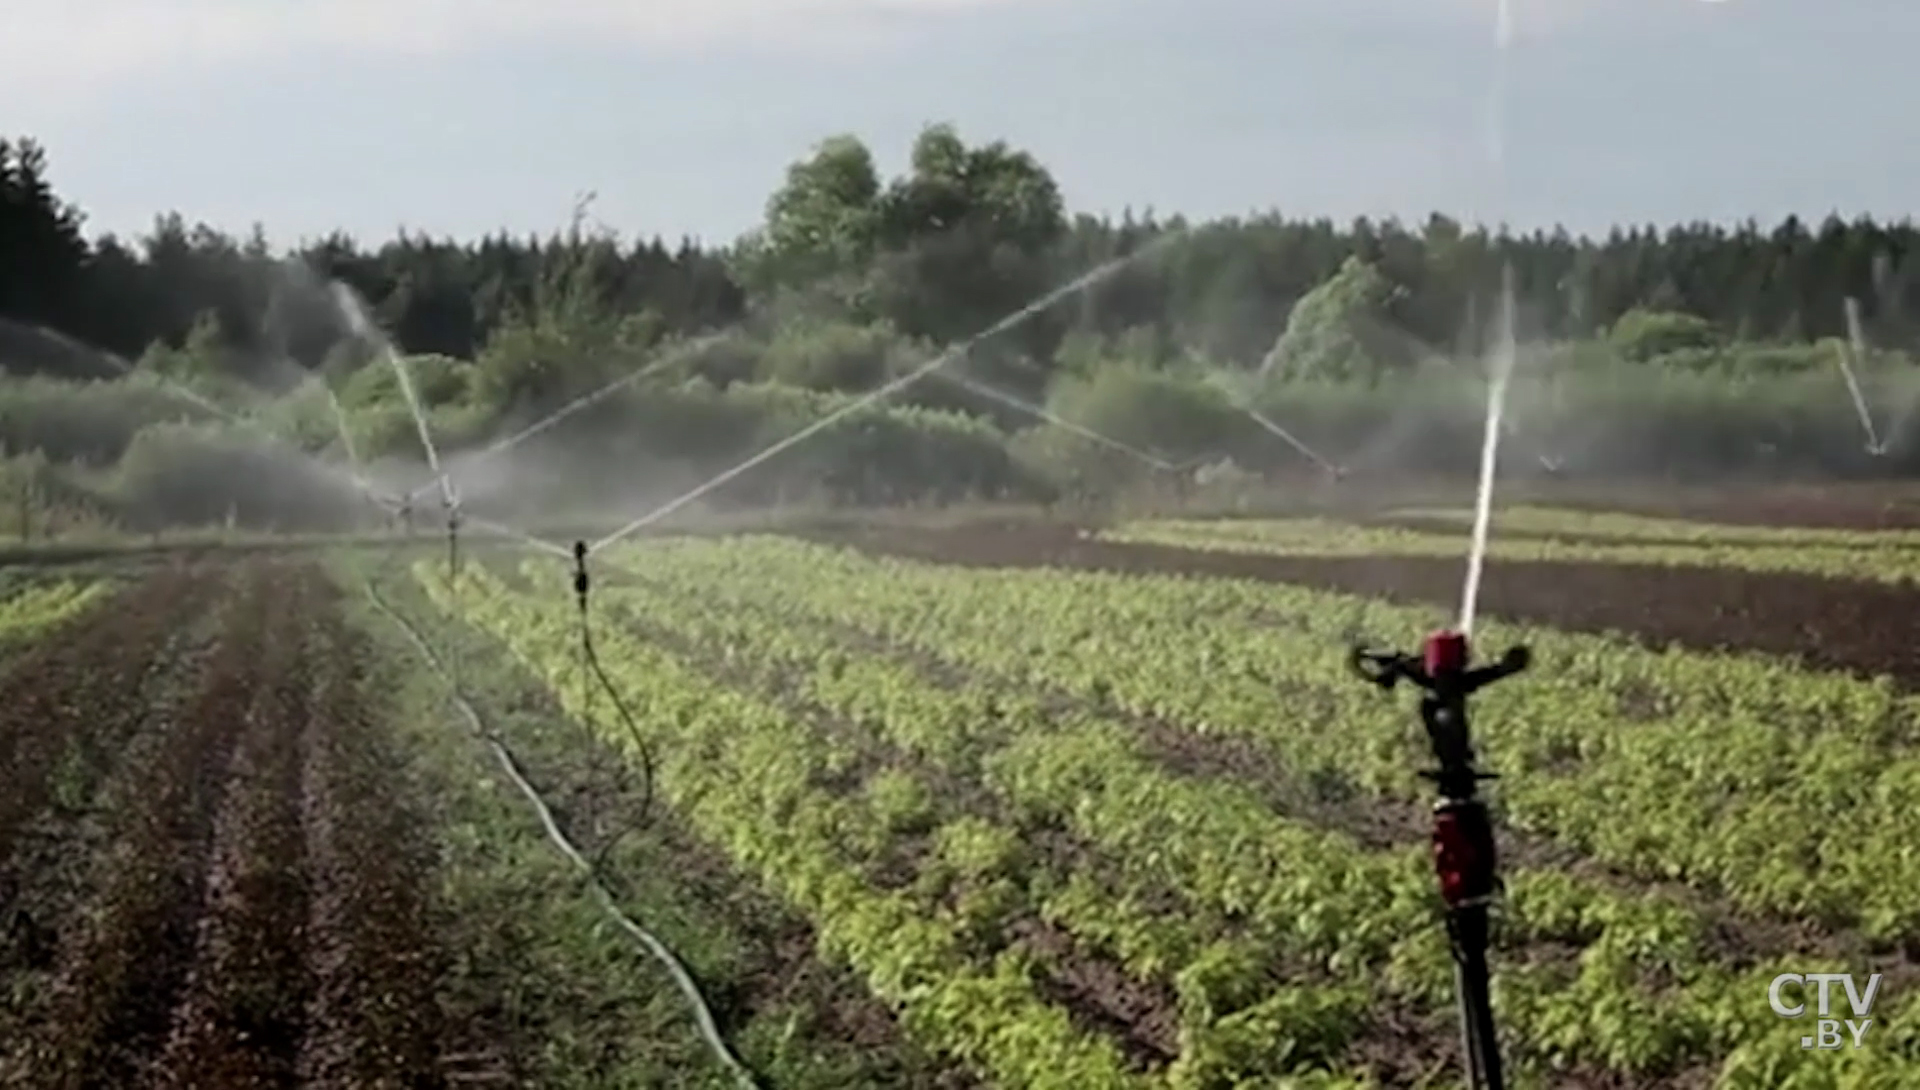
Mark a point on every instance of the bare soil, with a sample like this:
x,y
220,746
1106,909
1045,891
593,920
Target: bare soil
x,y
250,914
1857,626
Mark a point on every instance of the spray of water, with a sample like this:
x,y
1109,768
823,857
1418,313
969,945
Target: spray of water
x,y
1245,405
1901,385
1505,352
354,466
1054,418
522,537
188,394
1854,353
346,433
362,326
578,404
1506,347
898,383
1291,439
245,423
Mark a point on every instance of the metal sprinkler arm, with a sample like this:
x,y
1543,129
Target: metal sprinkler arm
x,y
1516,660
1388,668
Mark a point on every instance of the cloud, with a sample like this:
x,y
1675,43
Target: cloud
x,y
77,45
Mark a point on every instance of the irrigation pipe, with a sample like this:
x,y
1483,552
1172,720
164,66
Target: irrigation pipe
x,y
702,1014
633,731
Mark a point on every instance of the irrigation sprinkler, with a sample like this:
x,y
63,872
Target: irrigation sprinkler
x,y
1464,853
453,541
582,585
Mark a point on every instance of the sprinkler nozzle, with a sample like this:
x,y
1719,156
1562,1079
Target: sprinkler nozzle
x,y
1447,653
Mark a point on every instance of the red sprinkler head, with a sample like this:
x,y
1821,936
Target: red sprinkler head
x,y
1447,653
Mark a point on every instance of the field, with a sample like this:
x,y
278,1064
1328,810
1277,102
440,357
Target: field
x,y
1009,803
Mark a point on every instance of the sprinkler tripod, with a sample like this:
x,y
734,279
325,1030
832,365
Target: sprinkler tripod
x,y
1464,854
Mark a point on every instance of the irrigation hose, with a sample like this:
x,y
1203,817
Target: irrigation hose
x,y
610,833
702,1013
626,717
453,545
582,584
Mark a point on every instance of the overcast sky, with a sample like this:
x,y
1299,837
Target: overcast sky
x,y
459,116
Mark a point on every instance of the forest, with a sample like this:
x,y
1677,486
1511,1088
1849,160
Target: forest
x,y
185,377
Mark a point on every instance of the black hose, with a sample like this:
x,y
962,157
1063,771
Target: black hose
x,y
683,979
453,543
581,587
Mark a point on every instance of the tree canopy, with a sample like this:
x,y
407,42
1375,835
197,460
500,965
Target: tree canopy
x,y
967,234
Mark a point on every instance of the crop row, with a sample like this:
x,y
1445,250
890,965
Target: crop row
x,y
1885,562
1790,791
545,992
1083,774
753,779
1297,895
36,607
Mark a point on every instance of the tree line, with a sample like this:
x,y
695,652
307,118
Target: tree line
x,y
966,235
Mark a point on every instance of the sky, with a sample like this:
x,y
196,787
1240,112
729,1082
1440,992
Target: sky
x,y
459,117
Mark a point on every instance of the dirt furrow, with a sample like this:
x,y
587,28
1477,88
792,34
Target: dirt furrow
x,y
122,967
240,1023
72,707
1140,1015
373,1019
86,689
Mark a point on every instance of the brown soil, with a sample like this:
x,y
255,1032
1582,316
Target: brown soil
x,y
1838,624
253,900
1458,531
371,1019
1832,506
86,689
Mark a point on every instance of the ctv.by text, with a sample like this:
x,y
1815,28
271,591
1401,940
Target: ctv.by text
x,y
1828,1029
